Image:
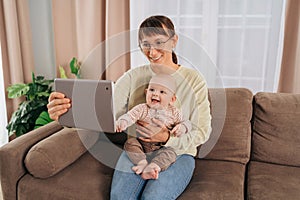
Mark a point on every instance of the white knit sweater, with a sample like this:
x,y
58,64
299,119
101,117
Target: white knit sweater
x,y
192,100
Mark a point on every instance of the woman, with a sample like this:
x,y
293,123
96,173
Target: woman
x,y
157,39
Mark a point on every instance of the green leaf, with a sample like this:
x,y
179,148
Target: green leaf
x,y
33,77
17,90
75,66
43,94
44,82
39,78
42,120
62,72
21,129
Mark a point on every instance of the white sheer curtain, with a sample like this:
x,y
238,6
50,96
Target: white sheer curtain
x,y
234,43
3,116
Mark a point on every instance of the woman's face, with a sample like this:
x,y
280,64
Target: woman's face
x,y
158,48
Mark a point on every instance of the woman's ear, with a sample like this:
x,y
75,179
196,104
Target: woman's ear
x,y
175,40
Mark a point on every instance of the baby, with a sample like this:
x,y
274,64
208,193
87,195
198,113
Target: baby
x,y
160,96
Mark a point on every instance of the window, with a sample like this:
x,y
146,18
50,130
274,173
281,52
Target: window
x,y
3,116
242,39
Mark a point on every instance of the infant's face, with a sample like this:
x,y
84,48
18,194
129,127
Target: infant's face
x,y
158,97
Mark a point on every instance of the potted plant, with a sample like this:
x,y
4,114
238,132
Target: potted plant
x,y
36,98
32,113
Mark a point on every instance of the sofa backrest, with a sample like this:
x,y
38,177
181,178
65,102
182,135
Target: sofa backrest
x,y
231,110
276,128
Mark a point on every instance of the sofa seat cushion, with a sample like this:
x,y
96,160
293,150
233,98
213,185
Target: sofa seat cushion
x,y
276,128
85,179
216,180
271,181
51,155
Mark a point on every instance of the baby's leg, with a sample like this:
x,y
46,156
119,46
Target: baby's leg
x,y
162,160
151,171
139,168
136,154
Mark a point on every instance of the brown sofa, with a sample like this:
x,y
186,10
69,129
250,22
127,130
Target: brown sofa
x,y
253,153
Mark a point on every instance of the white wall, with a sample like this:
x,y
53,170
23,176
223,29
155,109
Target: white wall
x,y
42,37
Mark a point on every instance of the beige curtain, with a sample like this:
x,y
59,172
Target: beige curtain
x,y
79,27
16,45
84,28
290,68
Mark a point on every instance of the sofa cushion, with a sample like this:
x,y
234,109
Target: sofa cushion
x,y
54,153
231,110
276,128
216,180
272,181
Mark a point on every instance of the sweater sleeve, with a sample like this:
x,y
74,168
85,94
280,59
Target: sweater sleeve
x,y
121,95
180,120
199,116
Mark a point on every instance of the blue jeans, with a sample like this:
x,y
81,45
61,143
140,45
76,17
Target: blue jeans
x,y
170,184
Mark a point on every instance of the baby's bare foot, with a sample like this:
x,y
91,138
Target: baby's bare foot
x,y
139,168
151,171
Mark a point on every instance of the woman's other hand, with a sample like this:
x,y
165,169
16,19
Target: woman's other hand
x,y
155,132
57,105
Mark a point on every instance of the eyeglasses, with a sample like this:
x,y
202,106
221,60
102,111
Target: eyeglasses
x,y
157,45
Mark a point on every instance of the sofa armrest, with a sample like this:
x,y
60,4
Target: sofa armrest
x,y
12,157
58,151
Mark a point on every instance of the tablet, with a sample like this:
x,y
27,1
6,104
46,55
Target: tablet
x,y
92,104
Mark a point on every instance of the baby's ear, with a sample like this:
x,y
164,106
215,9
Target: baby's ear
x,y
173,99
146,90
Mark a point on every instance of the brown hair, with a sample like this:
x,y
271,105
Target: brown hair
x,y
158,25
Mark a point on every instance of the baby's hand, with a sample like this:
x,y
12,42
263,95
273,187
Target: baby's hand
x,y
121,125
178,130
